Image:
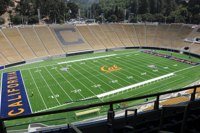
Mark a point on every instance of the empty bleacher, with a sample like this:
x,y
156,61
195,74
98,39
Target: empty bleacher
x,y
162,36
33,41
151,31
90,38
8,51
98,32
141,33
122,35
179,42
49,40
19,43
70,39
130,30
3,60
108,31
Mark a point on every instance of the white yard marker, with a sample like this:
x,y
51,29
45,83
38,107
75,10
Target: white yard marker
x,y
92,58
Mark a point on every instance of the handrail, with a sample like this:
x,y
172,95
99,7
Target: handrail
x,y
110,103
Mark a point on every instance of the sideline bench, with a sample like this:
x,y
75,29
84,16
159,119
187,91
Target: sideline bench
x,y
86,112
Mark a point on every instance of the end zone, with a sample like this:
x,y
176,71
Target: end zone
x,y
14,100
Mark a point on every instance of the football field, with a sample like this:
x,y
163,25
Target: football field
x,y
100,77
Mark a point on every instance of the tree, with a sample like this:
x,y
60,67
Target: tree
x,y
2,21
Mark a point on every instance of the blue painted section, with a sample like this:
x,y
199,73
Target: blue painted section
x,y
14,101
171,58
1,67
62,40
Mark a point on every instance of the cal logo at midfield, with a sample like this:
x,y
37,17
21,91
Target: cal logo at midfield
x,y
110,69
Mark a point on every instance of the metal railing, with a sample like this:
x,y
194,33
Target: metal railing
x,y
110,115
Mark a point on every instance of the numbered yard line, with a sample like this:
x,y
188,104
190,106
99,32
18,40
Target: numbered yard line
x,y
37,89
59,84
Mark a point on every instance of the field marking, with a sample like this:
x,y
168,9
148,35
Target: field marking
x,y
58,84
26,92
85,59
134,85
102,75
87,78
82,84
68,81
49,87
38,89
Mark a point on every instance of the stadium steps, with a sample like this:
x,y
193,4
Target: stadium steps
x,y
90,38
151,31
70,44
18,43
141,33
8,51
129,28
122,35
49,41
170,101
33,41
111,35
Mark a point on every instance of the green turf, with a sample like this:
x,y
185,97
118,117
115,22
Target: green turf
x,y
54,88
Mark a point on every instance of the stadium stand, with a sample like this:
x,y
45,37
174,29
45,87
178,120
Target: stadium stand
x,y
3,60
19,43
69,38
141,33
98,32
130,30
122,35
151,31
90,38
33,41
111,35
162,35
179,42
8,51
49,40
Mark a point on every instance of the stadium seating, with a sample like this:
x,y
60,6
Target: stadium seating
x,y
122,35
34,41
19,43
90,38
49,40
8,51
151,31
162,37
98,32
69,38
141,33
108,31
30,42
130,30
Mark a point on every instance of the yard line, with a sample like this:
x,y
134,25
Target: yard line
x,y
49,87
100,78
83,84
26,92
68,82
38,89
127,71
87,77
92,58
59,85
103,75
112,74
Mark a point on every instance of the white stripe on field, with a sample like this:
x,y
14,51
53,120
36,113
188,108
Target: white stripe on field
x,y
134,85
98,57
